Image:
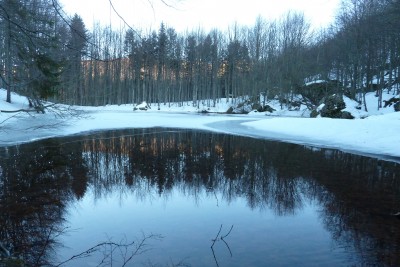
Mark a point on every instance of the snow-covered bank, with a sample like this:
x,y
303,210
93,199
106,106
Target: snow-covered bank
x,y
377,135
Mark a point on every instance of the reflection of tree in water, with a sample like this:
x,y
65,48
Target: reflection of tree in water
x,y
35,187
192,161
356,193
358,212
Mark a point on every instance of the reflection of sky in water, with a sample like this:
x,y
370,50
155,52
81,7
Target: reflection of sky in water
x,y
189,224
289,205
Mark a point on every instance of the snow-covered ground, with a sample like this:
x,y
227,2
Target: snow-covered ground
x,y
376,135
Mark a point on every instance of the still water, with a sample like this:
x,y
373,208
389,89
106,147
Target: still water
x,y
166,197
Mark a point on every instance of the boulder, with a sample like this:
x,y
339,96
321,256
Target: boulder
x,y
333,107
142,106
268,108
347,115
314,114
396,107
243,108
258,107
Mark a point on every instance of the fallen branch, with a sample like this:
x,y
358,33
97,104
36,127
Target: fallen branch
x,y
36,109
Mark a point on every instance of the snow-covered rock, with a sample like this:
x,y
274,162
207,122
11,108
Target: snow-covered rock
x,y
142,106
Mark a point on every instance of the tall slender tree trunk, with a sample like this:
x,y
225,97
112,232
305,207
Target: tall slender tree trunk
x,y
8,67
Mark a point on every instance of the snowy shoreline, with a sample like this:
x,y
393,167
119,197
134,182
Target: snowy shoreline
x,y
356,136
375,136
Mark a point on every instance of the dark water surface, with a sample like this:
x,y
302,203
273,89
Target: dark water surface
x,y
165,197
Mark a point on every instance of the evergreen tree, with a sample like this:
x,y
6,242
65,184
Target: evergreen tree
x,y
77,45
31,47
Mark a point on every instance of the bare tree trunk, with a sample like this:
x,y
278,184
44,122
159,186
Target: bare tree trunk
x,y
8,65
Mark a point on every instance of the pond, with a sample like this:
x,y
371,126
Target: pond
x,y
167,197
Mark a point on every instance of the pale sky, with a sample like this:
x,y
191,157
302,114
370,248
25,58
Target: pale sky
x,y
192,14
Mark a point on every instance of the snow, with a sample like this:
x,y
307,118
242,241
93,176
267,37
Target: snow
x,y
370,136
315,82
142,106
376,135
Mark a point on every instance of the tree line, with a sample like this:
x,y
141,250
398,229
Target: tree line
x,y
44,54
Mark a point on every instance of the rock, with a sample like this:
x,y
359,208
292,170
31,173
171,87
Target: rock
x,y
142,106
257,107
314,114
396,107
243,108
347,115
294,105
260,108
316,90
268,108
333,106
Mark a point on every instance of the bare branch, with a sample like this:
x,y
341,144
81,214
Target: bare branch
x,y
128,250
126,23
217,238
93,249
168,5
141,247
27,110
222,237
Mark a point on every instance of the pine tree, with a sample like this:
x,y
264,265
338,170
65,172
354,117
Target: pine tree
x,y
31,57
77,45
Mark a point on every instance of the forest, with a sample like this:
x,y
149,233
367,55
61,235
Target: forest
x,y
47,54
